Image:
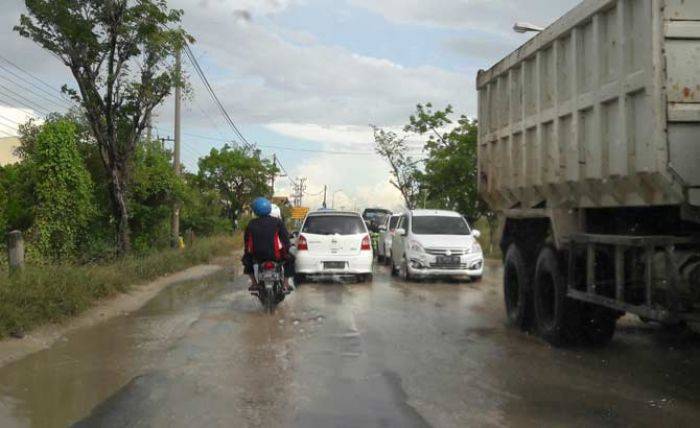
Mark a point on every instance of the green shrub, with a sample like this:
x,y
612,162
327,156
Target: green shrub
x,y
52,293
63,191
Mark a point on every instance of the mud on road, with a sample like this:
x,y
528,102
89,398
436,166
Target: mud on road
x,y
389,353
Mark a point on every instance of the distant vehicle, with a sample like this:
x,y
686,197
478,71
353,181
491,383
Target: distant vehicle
x,y
386,233
430,243
590,153
372,216
334,243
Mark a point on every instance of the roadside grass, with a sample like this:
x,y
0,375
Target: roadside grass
x,y
52,293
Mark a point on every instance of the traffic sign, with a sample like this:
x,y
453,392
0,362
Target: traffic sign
x,y
299,213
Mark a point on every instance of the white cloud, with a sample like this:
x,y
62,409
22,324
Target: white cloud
x,y
362,182
496,16
490,49
232,7
266,74
347,135
11,117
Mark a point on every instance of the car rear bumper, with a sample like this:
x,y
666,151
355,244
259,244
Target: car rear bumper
x,y
309,264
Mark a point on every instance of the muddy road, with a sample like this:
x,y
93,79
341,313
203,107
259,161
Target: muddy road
x,y
386,354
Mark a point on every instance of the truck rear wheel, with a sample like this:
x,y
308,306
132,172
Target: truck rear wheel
x,y
517,289
557,316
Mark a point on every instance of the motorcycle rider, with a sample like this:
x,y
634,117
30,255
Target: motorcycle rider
x,y
267,239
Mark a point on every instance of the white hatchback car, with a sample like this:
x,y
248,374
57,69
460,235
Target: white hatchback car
x,y
436,243
333,243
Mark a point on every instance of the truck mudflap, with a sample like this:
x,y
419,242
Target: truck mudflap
x,y
655,277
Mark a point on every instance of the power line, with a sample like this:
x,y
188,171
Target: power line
x,y
289,176
212,93
7,126
7,119
295,149
28,90
26,103
31,75
34,85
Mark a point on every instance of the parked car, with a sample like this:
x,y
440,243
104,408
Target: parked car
x,y
334,243
430,243
386,233
371,216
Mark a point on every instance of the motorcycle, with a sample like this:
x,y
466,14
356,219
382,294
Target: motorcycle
x,y
270,277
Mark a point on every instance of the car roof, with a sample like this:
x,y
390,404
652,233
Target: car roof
x,y
333,213
441,213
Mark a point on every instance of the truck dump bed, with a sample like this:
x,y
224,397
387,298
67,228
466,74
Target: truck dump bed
x,y
602,109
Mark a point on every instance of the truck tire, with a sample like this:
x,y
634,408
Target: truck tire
x,y
597,324
557,317
517,289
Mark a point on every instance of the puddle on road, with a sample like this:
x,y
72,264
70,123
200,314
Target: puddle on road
x,y
438,352
57,386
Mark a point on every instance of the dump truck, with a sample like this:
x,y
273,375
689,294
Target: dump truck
x,y
589,152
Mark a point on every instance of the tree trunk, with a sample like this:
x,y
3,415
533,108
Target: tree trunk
x,y
122,214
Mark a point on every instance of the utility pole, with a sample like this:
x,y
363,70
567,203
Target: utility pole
x,y
149,127
298,195
175,228
274,172
325,191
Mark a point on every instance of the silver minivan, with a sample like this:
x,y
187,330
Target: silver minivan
x,y
431,243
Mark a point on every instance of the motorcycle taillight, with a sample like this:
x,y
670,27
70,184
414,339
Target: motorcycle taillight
x,y
268,266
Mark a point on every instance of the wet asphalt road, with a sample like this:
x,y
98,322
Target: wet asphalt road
x,y
387,354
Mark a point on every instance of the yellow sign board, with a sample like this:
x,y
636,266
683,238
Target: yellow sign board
x,y
299,213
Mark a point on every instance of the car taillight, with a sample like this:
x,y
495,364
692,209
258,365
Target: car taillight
x,y
268,266
302,245
366,244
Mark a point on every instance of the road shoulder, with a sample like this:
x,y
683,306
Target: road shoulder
x,y
45,336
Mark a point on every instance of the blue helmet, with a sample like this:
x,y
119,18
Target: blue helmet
x,y
262,207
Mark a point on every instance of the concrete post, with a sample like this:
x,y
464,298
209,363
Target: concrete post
x,y
15,250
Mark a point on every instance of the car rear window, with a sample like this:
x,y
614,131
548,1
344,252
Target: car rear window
x,y
440,225
370,214
332,225
393,222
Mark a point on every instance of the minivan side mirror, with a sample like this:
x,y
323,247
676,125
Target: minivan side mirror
x,y
476,234
401,232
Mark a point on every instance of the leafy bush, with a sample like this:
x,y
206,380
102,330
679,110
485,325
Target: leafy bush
x,y
63,191
155,189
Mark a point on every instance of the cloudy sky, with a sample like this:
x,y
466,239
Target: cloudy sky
x,y
305,78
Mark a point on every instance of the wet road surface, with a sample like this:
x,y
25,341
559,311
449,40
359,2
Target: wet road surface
x,y
386,354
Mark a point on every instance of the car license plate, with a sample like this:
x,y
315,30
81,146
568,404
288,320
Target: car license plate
x,y
448,260
334,265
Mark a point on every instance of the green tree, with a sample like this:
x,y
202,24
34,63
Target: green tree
x,y
449,176
404,169
120,53
63,190
17,196
155,188
202,211
239,174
